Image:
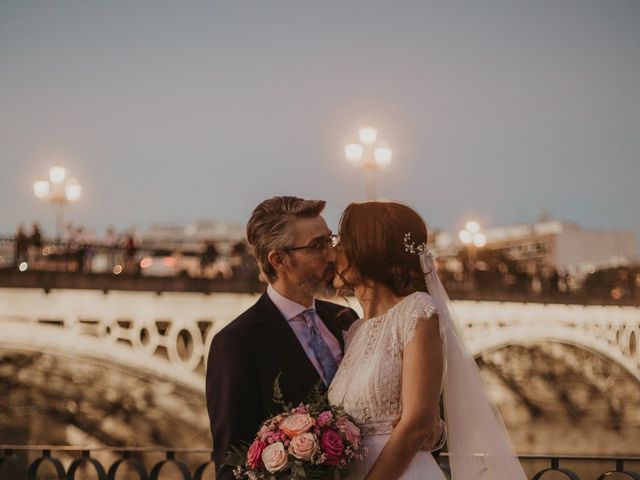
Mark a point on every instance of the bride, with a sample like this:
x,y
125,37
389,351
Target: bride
x,y
405,352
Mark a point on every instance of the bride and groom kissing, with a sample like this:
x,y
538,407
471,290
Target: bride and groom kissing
x,y
388,370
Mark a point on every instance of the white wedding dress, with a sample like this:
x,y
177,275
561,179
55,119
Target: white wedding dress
x,y
369,380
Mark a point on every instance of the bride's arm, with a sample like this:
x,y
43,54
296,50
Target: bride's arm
x,y
422,368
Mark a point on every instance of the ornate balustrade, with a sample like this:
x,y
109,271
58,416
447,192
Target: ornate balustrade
x,y
169,334
29,462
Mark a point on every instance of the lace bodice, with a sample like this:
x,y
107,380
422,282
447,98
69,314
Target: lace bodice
x,y
368,383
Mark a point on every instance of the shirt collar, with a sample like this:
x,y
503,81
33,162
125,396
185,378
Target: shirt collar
x,y
288,308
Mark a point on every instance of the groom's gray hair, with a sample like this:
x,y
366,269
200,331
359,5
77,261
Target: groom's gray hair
x,y
268,228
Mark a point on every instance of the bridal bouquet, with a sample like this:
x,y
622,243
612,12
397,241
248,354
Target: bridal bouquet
x,y
310,441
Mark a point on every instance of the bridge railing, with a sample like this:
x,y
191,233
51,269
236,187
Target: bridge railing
x,y
186,260
148,258
28,462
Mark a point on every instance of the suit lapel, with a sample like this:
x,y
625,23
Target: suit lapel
x,y
329,320
285,345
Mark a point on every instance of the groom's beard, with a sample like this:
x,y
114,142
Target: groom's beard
x,y
319,287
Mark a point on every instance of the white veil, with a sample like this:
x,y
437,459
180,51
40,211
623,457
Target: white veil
x,y
479,445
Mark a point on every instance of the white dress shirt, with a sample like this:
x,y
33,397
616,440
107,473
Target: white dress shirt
x,y
290,310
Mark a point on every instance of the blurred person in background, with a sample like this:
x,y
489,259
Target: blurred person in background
x,y
21,245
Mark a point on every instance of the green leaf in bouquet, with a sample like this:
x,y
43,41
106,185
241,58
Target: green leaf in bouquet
x,y
278,397
297,470
319,472
277,392
317,398
237,456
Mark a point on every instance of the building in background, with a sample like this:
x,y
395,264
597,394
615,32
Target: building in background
x,y
552,244
565,246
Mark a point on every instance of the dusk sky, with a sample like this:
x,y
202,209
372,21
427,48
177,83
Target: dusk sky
x,y
174,112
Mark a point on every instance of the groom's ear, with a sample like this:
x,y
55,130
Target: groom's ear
x,y
276,259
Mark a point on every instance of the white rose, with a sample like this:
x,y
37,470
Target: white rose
x,y
274,457
304,446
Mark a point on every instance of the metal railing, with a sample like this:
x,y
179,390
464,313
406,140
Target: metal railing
x,y
21,462
183,258
177,263
30,462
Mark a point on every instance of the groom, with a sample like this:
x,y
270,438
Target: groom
x,y
294,248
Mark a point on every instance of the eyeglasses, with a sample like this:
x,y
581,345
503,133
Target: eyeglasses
x,y
318,246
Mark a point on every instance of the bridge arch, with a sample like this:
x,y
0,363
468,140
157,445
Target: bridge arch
x,y
576,339
612,332
37,338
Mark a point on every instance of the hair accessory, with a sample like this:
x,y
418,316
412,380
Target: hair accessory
x,y
411,247
426,256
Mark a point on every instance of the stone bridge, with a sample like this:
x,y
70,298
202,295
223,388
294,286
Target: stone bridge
x,y
167,335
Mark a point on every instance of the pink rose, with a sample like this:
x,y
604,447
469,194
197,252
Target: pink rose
x,y
304,446
324,418
274,457
254,455
296,424
332,446
350,431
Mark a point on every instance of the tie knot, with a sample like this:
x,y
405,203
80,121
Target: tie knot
x,y
309,317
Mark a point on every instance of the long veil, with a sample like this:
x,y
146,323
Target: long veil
x,y
479,445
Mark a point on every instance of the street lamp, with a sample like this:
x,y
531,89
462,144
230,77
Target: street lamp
x,y
59,191
472,237
369,157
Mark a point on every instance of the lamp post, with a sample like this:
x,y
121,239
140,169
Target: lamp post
x,y
58,191
370,156
473,238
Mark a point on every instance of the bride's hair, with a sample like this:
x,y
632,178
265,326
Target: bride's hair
x,y
372,235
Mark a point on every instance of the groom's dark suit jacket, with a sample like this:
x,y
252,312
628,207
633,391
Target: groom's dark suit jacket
x,y
244,360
